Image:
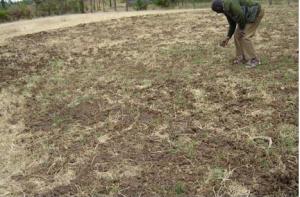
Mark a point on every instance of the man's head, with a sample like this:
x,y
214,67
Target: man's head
x,y
217,6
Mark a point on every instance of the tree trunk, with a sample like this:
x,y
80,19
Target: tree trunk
x,y
91,5
270,2
126,5
99,5
62,7
36,9
94,5
81,6
110,5
103,5
115,5
3,4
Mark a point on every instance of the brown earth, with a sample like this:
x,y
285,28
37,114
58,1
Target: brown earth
x,y
150,105
23,27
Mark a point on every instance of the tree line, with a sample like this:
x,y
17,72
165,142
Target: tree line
x,y
54,7
14,10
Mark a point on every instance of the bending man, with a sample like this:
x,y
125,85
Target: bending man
x,y
247,15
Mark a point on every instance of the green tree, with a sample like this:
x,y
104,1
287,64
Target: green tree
x,y
3,4
162,3
81,2
140,5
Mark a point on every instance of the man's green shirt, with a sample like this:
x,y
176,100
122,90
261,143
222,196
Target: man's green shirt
x,y
240,12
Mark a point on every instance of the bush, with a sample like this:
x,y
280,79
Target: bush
x,y
19,11
140,5
162,3
3,16
57,7
72,6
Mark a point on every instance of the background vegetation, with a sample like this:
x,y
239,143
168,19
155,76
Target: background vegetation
x,y
26,9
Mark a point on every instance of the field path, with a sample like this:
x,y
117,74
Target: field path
x,y
18,28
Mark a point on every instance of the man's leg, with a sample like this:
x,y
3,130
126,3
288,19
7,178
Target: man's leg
x,y
250,29
237,42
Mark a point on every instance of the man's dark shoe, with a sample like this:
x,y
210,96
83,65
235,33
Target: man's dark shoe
x,y
253,63
239,60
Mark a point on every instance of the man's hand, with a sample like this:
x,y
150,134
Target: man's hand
x,y
241,34
224,42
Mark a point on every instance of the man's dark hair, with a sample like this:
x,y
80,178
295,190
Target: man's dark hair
x,y
217,6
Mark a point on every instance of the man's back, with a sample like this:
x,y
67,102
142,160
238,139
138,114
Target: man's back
x,y
247,9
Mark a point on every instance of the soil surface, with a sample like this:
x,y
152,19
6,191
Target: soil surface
x,y
23,27
150,106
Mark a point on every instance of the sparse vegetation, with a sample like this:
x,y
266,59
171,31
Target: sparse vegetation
x,y
179,188
150,105
3,15
162,3
140,5
27,9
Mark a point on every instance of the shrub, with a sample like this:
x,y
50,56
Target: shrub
x,y
3,16
19,11
140,5
72,6
162,3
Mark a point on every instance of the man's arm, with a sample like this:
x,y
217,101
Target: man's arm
x,y
237,12
231,29
232,26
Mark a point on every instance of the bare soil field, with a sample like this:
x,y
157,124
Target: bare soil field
x,y
150,106
23,27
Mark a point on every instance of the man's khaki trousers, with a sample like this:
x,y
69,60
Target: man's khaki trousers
x,y
243,44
